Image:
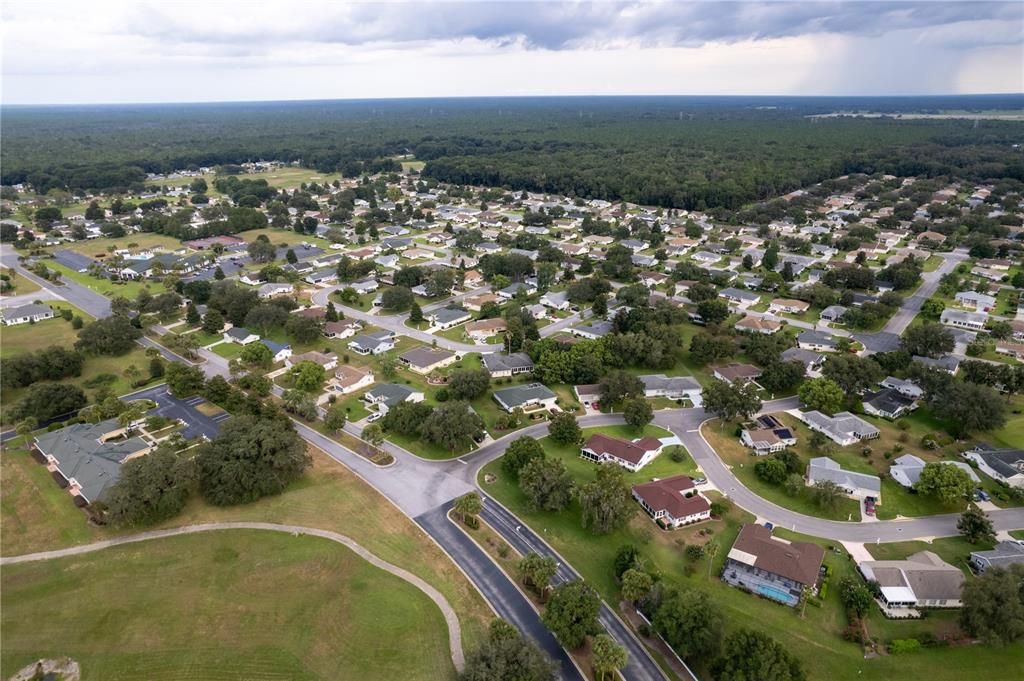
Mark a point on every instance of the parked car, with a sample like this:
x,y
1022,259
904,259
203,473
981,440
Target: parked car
x,y
375,416
980,495
869,505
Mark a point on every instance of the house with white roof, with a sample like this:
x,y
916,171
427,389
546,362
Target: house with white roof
x,y
856,485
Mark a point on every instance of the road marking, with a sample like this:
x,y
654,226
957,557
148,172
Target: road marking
x,y
464,463
695,430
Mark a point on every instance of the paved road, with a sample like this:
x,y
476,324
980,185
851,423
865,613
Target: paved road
x,y
81,297
641,666
451,619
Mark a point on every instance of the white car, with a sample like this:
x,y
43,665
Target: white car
x,y
375,416
338,247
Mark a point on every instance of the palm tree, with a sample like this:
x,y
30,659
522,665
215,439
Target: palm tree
x,y
468,504
132,413
26,426
711,548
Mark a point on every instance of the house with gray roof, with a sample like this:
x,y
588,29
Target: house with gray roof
x,y
1005,554
812,361
906,470
857,485
844,428
921,580
279,352
447,317
510,291
832,313
374,343
424,360
240,335
903,386
322,276
949,363
817,341
1005,465
27,314
592,331
739,297
528,397
86,458
388,395
501,365
673,388
558,300
888,403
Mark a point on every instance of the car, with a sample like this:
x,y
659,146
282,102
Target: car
x,y
869,506
375,416
980,495
769,526
699,481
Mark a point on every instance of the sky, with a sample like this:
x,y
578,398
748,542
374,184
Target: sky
x,y
106,51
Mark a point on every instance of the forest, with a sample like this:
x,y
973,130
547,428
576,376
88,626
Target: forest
x,y
685,152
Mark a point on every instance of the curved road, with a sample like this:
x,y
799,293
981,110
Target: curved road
x,y
451,620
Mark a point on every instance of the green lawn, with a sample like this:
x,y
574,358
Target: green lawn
x,y
104,286
29,337
227,350
21,285
231,605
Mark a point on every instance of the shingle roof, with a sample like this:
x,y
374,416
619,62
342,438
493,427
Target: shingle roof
x,y
669,495
496,362
632,452
799,561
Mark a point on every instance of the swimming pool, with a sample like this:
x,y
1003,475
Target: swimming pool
x,y
776,594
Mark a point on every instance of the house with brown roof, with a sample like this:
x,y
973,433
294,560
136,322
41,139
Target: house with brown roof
x,y
929,237
482,329
672,502
758,325
475,303
328,360
788,305
772,567
737,373
344,328
348,379
632,456
423,360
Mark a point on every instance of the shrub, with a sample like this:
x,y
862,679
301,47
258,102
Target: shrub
x,y
644,629
472,522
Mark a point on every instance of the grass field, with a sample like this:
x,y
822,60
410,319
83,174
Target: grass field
x,y
21,285
815,639
328,497
227,605
22,338
104,286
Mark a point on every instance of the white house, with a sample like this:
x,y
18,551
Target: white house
x,y
980,302
1005,465
26,314
844,428
632,456
242,336
857,485
672,502
975,321
673,388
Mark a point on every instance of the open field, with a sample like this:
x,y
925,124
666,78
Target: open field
x,y
815,639
20,285
237,604
101,248
328,497
22,338
104,286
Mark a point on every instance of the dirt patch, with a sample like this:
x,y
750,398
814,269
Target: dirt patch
x,y
62,669
209,409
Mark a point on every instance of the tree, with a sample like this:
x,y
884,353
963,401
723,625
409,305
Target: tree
x,y
749,655
781,376
373,434
300,403
851,373
607,502
183,380
252,457
114,335
452,425
636,584
303,330
822,394
928,340
993,605
617,386
547,484
945,482
564,429
537,571
415,313
713,311
730,402
932,308
331,313
519,453
257,355
261,250
266,317
771,470
26,426
307,376
218,274
507,655
397,298
571,614
826,494
855,595
468,384
975,526
793,484
608,656
600,306
637,412
706,348
468,504
291,257
690,622
213,322
192,314
335,417
968,407
44,401
150,488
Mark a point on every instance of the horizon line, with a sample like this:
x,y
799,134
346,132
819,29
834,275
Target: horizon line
x,y
506,97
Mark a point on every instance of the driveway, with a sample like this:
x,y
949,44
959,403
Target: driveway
x,y
197,424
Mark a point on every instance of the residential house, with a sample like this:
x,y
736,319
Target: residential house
x,y
86,458
348,379
327,360
501,365
556,300
424,360
673,388
240,335
903,386
374,343
906,470
364,286
788,305
1005,554
1004,465
950,363
857,485
737,373
388,395
672,502
589,395
980,302
653,279
772,567
527,397
273,290
510,291
844,428
322,277
975,321
593,331
471,279
635,245
833,313
1015,350
767,435
27,314
888,403
632,456
475,303
482,329
812,361
761,325
279,352
929,238
817,341
921,580
448,317
343,328
739,298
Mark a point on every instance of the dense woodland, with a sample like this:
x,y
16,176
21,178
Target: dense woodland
x,y
692,152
